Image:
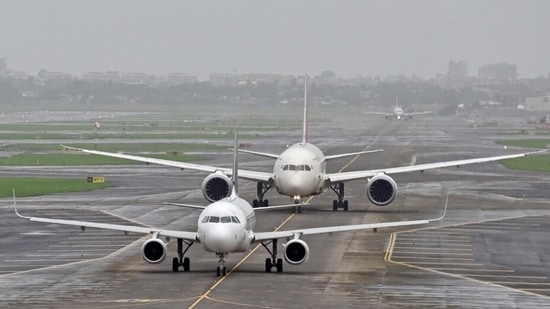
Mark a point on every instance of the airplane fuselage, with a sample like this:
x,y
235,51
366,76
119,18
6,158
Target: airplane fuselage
x,y
299,171
225,226
398,111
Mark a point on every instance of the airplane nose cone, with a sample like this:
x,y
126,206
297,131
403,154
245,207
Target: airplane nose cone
x,y
220,239
293,185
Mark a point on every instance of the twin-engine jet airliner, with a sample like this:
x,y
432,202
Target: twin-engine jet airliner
x,y
398,113
226,226
300,172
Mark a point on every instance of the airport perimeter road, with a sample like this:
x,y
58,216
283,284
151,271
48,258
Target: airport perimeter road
x,y
460,262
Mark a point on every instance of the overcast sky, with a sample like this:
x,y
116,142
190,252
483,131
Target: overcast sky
x,y
362,37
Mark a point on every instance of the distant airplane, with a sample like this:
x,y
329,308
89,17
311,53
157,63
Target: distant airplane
x,y
398,113
300,172
226,226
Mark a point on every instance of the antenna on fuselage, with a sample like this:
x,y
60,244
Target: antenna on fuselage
x,y
304,130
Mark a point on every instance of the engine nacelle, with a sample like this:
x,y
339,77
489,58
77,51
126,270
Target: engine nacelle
x,y
381,190
216,186
153,251
296,251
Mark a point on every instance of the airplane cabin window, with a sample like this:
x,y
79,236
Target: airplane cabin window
x,y
235,219
308,168
205,219
285,168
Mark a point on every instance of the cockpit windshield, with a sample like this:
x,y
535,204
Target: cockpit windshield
x,y
299,167
216,219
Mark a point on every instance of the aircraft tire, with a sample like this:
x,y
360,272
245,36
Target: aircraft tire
x,y
175,264
279,265
186,264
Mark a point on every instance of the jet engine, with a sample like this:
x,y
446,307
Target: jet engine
x,y
381,190
154,251
296,251
216,186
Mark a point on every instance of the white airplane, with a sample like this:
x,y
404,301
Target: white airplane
x,y
226,226
300,172
398,113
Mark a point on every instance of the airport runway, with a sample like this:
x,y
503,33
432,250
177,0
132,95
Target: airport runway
x,y
491,251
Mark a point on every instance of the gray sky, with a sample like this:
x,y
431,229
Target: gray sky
x,y
368,38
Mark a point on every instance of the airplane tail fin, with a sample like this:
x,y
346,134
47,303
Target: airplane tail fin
x,y
234,175
304,130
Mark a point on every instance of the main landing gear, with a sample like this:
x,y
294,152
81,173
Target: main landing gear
x,y
338,188
273,261
261,189
180,261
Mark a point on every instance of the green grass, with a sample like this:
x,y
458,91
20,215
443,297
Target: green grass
x,y
132,136
42,186
539,163
115,147
76,159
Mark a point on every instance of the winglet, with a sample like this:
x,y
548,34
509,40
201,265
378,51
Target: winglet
x,y
444,210
15,206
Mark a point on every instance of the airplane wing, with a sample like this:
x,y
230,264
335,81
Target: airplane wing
x,y
351,154
185,205
264,236
265,208
191,236
380,113
245,174
262,154
417,113
347,176
274,156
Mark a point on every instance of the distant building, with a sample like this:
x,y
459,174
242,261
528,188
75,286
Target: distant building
x,y
457,70
498,72
18,75
326,78
138,78
221,79
109,76
47,75
264,78
541,103
179,79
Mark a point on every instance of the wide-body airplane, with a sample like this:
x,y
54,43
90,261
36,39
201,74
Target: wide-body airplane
x,y
226,226
300,172
398,113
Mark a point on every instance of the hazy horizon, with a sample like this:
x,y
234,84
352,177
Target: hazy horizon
x,y
368,38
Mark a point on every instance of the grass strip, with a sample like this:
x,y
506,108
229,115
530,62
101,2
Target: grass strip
x,y
42,186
